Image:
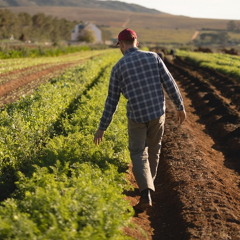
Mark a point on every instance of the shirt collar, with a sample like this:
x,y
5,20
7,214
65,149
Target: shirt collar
x,y
133,49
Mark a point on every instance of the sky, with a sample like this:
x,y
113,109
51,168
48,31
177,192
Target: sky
x,y
217,9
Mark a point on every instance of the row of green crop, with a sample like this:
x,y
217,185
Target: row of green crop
x,y
72,202
41,51
224,63
7,65
74,190
25,126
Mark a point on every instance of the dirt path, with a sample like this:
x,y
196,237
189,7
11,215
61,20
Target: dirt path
x,y
197,189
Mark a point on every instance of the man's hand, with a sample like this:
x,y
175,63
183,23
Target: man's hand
x,y
98,136
181,115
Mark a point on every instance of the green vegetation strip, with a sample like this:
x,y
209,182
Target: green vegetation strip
x,y
7,65
27,124
66,187
224,63
22,51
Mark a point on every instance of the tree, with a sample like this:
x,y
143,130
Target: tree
x,y
24,26
7,24
223,37
37,27
214,37
87,36
232,26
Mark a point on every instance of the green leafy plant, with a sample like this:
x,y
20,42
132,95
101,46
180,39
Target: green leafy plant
x,y
224,63
66,187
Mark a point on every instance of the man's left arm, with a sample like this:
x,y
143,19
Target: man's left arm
x,y
173,92
181,116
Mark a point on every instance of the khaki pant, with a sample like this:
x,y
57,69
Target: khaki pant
x,y
145,146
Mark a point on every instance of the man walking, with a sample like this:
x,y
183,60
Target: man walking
x,y
141,77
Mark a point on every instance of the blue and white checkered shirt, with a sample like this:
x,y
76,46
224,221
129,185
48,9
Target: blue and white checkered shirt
x,y
141,77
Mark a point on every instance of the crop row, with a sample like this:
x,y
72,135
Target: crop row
x,y
7,65
27,124
66,187
215,98
21,51
224,63
227,86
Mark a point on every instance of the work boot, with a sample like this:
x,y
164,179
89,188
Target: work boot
x,y
145,200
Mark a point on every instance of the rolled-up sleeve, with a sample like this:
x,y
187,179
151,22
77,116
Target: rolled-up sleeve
x,y
111,101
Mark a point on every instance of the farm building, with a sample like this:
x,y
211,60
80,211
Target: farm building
x,y
87,32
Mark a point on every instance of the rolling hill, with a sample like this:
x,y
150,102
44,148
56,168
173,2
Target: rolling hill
x,y
113,5
152,26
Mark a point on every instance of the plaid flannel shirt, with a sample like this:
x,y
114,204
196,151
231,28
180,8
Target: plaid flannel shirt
x,y
141,77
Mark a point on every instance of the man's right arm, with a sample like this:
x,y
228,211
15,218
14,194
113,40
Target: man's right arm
x,y
111,101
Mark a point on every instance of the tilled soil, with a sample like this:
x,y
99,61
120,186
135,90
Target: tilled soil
x,y
197,187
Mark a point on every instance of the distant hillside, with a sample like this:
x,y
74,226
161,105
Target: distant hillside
x,y
151,28
113,5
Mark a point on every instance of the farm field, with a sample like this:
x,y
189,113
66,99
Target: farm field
x,y
223,63
19,76
46,147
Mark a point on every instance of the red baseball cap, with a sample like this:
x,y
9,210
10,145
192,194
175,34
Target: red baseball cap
x,y
127,34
